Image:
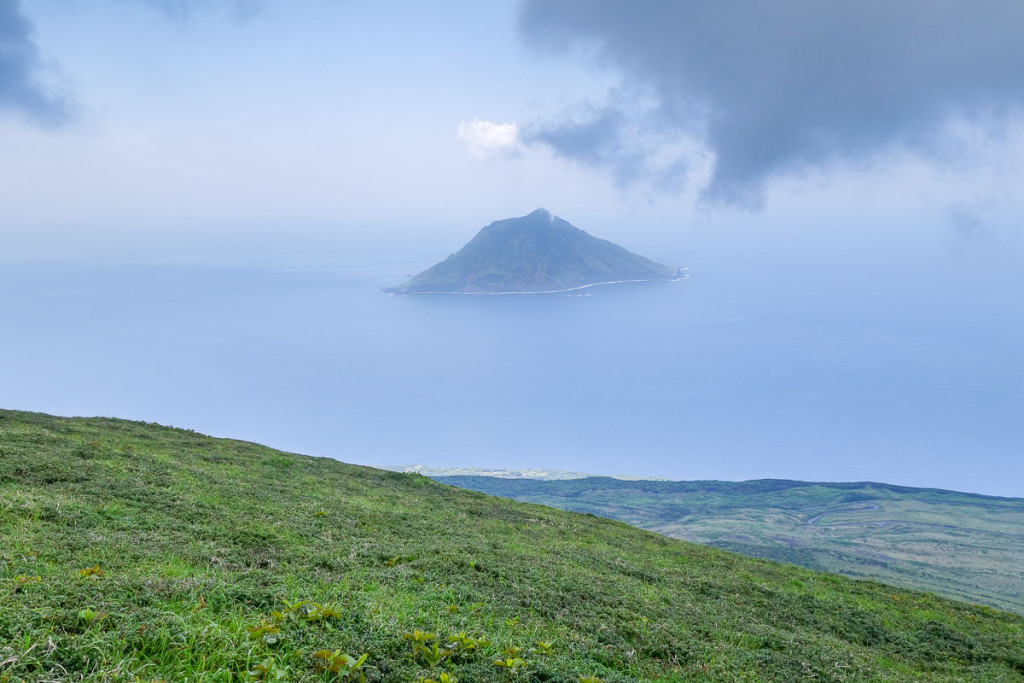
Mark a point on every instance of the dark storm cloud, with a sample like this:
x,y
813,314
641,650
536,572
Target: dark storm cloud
x,y
783,85
593,136
590,137
20,67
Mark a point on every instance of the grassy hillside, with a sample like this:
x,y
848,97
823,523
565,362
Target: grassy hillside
x,y
138,552
961,545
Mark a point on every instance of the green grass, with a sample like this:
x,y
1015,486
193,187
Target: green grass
x,y
961,545
220,560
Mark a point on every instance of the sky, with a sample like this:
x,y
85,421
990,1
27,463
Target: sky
x,y
790,141
143,124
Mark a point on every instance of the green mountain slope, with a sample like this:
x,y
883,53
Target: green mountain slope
x,y
961,545
535,253
138,552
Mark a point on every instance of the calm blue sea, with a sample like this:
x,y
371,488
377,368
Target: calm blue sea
x,y
746,370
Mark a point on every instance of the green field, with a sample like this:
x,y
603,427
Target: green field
x,y
960,545
134,552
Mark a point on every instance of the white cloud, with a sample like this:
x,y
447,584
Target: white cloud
x,y
485,139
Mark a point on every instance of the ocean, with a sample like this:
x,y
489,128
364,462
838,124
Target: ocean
x,y
881,371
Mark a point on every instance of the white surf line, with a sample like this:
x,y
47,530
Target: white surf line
x,y
546,291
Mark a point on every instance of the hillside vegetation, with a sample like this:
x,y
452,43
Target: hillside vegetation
x,y
962,545
138,552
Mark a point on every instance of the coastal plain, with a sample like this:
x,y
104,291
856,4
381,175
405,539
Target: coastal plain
x,y
962,545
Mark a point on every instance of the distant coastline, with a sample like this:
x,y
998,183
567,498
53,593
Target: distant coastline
x,y
510,473
685,276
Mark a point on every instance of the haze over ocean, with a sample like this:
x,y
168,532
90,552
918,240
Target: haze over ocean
x,y
874,365
200,200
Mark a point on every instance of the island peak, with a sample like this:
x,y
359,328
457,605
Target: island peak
x,y
535,253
